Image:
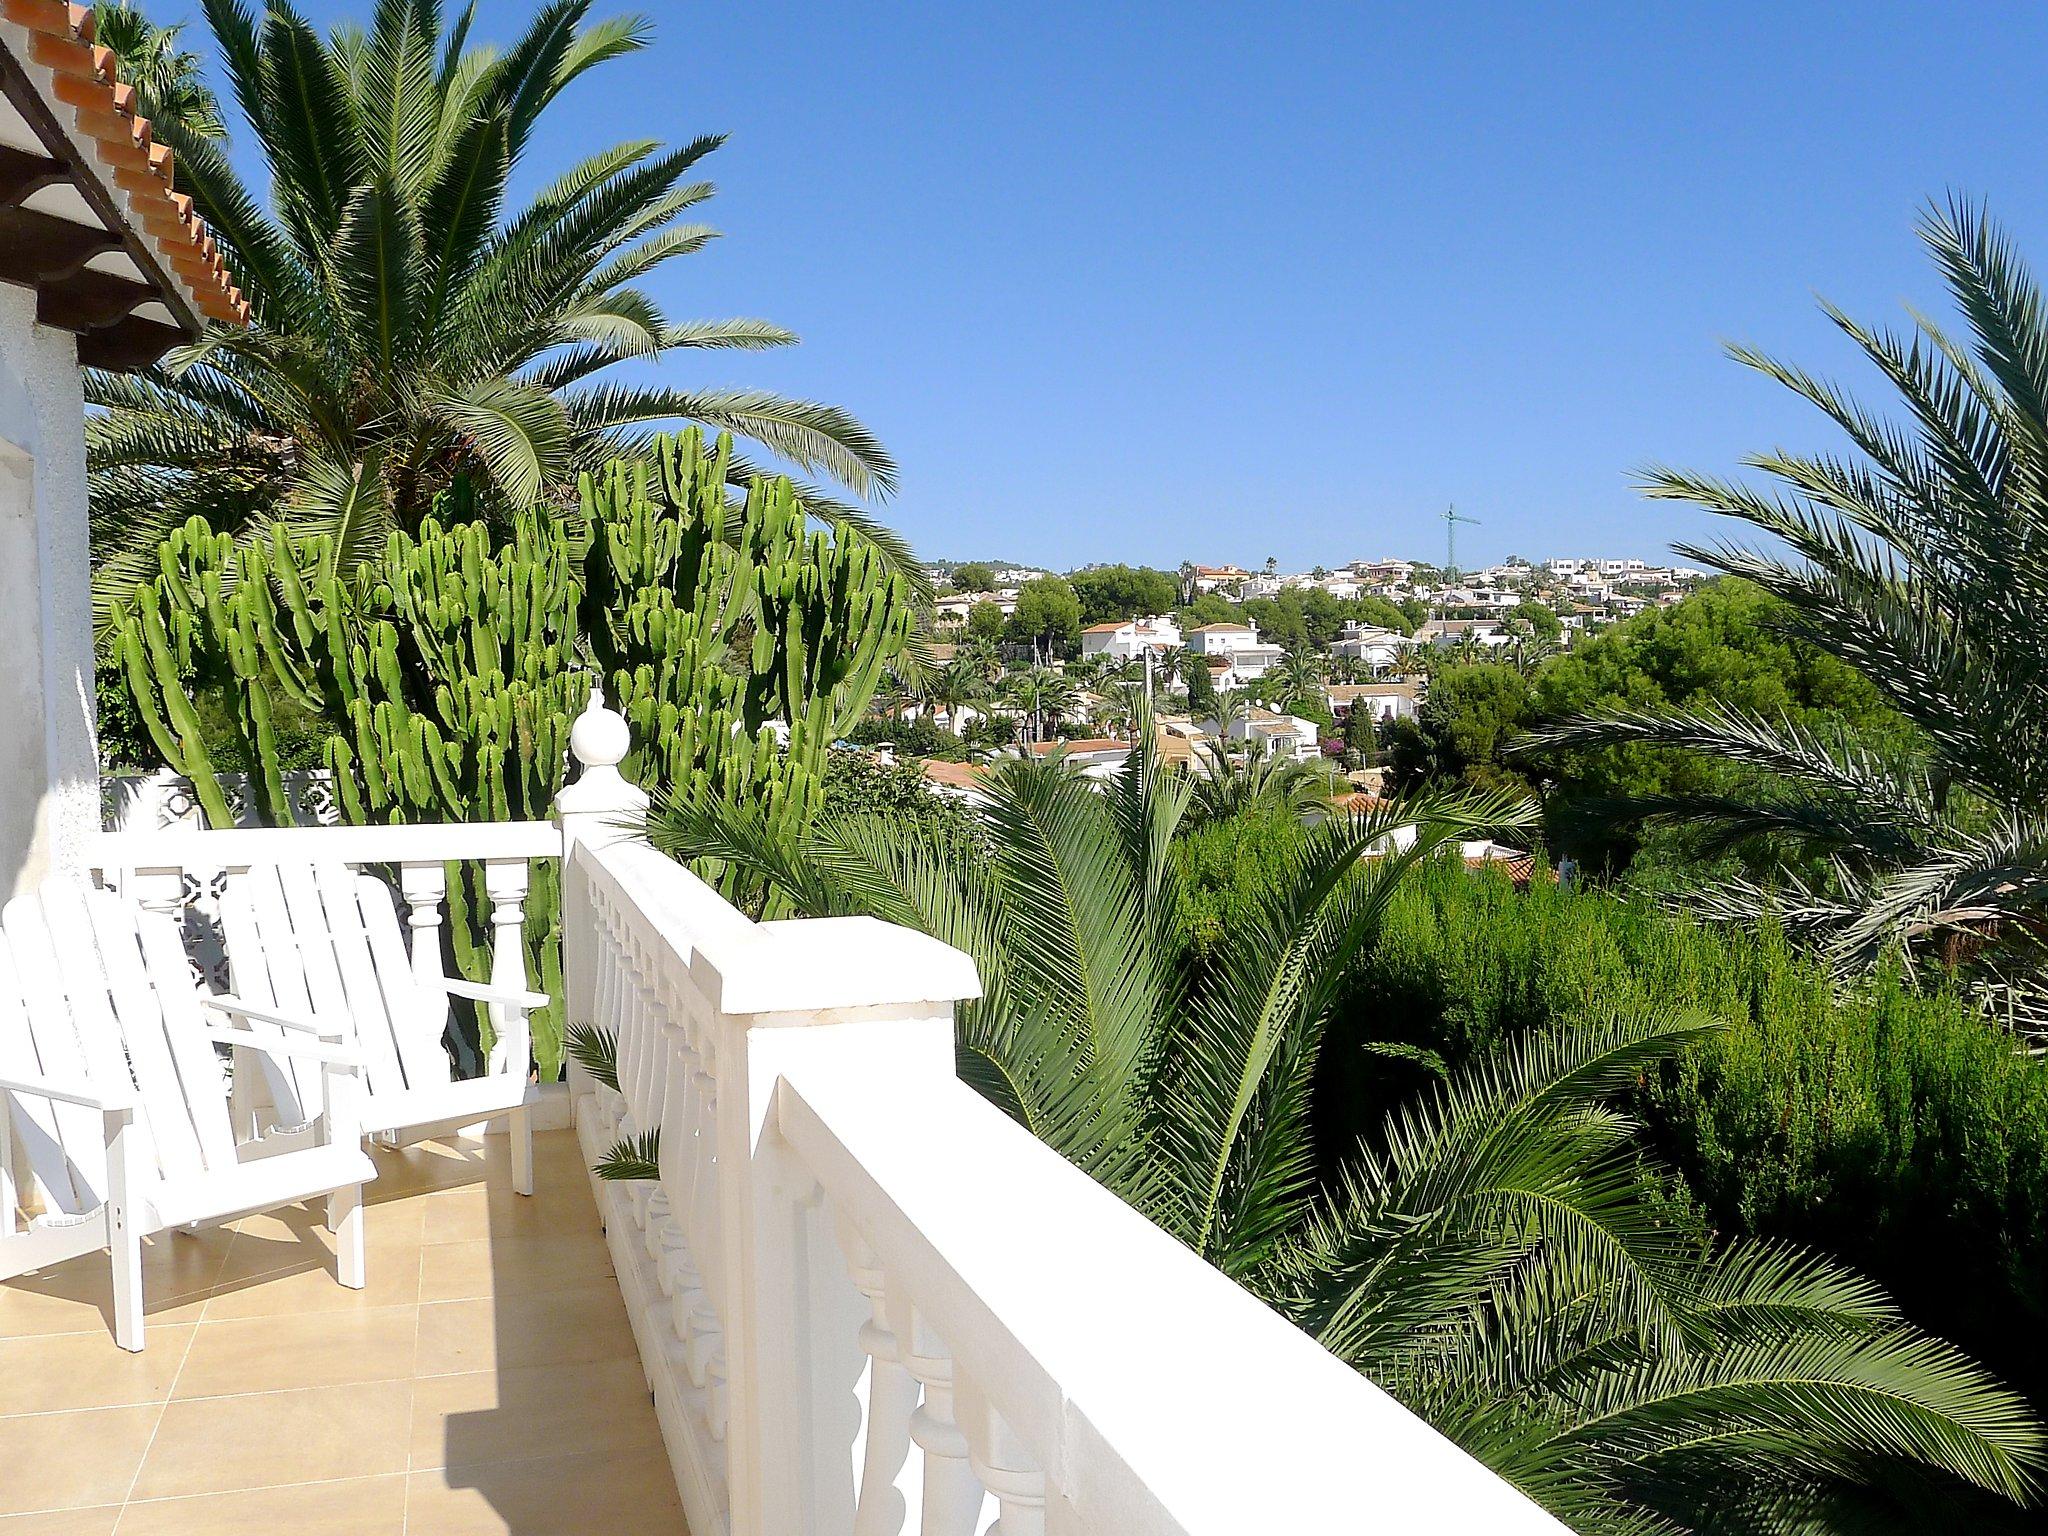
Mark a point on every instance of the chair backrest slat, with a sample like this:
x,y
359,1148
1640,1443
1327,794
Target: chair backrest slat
x,y
166,1117
59,1054
197,1063
419,1016
264,969
33,1120
349,937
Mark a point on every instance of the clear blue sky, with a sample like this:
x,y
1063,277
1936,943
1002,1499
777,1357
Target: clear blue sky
x,y
1148,283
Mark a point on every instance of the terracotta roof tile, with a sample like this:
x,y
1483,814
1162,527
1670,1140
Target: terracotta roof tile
x,y
84,78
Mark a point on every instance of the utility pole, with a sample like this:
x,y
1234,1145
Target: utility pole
x,y
1451,521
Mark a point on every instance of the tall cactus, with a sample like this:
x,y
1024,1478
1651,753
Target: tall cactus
x,y
738,641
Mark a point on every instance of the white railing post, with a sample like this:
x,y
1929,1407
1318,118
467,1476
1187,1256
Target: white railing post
x,y
596,808
878,1001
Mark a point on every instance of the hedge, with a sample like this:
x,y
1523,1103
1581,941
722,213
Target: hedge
x,y
1891,1128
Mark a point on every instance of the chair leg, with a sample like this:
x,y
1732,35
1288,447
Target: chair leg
x,y
345,1221
522,1150
124,1242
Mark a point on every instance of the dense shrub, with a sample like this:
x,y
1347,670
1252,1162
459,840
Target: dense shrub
x,y
1892,1129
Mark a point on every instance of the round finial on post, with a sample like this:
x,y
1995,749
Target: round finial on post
x,y
600,738
598,742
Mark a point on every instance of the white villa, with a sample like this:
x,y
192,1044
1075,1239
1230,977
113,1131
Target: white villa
x,y
1383,701
956,608
1370,644
1239,646
1131,639
1209,578
1269,731
1445,633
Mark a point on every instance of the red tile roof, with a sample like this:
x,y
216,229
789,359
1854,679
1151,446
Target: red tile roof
x,y
83,78
952,775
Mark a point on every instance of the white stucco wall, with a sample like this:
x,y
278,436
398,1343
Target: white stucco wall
x,y
49,781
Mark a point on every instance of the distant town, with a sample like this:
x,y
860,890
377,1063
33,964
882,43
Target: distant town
x,y
1326,667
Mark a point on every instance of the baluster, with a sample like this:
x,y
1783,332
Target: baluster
x,y
1007,1469
670,1248
952,1493
886,1493
609,1010
425,887
505,883
660,1219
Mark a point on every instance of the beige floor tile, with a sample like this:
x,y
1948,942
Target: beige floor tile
x,y
69,1522
360,1507
220,1444
462,1215
559,1327
54,1372
72,1460
393,1272
630,1495
510,1265
536,1411
269,1354
78,1296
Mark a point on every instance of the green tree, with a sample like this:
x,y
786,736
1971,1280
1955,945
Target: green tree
x,y
169,88
412,324
1048,615
1472,712
1361,736
1923,562
1201,684
1208,608
1730,643
1380,612
974,576
1542,619
1122,592
985,621
1497,1259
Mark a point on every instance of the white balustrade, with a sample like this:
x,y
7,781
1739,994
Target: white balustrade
x,y
870,1304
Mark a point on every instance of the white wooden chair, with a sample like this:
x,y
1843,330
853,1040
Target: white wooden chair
x,y
322,945
112,1095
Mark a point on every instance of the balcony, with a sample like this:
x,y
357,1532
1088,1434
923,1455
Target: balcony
x,y
858,1298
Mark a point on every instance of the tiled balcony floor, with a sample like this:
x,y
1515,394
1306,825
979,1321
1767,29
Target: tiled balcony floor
x,y
485,1384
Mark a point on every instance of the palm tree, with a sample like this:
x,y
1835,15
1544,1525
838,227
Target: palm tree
x,y
1224,786
169,89
1043,694
1499,1260
984,656
412,327
1300,678
1923,561
958,682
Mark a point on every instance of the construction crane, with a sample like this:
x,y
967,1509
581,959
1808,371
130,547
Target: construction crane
x,y
1451,521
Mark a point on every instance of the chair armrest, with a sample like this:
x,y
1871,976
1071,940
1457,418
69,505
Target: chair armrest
x,y
484,992
227,1002
285,1045
66,1093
